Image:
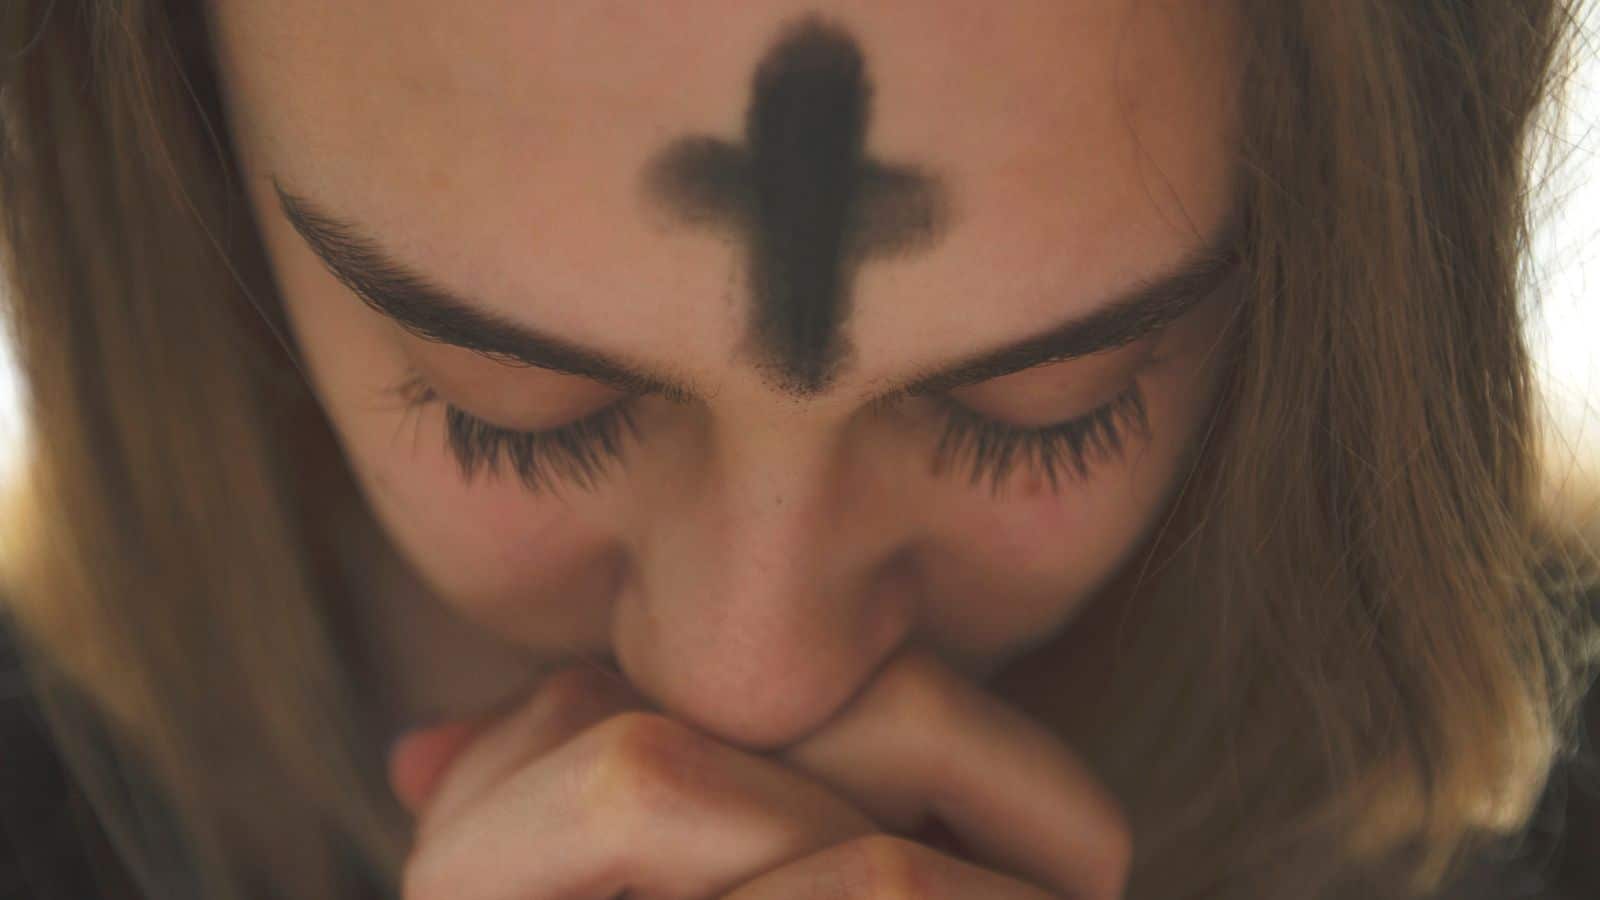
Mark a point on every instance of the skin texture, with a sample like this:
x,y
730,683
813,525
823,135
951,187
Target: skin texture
x,y
923,787
756,556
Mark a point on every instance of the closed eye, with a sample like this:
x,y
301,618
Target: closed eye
x,y
983,448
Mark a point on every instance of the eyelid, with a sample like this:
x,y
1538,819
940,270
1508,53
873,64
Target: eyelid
x,y
1035,405
579,451
416,379
1052,393
534,405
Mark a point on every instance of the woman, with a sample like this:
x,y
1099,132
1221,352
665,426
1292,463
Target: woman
x,y
1038,449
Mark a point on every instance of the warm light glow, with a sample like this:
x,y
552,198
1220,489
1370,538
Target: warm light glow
x,y
1565,294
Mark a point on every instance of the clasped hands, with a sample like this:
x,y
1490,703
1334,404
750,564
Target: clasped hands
x,y
584,791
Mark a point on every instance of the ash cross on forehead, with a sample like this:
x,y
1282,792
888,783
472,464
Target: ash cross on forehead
x,y
807,204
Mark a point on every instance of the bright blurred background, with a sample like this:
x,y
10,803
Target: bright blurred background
x,y
1564,325
1563,286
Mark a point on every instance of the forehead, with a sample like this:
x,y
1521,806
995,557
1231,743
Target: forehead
x,y
498,146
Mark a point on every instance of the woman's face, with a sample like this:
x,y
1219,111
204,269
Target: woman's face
x,y
799,289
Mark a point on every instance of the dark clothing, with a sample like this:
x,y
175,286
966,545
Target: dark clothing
x,y
52,849
50,846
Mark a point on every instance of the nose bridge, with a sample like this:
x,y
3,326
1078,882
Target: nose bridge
x,y
756,610
758,515
771,487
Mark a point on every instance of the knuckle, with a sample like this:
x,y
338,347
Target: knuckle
x,y
886,867
643,761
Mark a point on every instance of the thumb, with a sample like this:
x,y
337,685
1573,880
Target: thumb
x,y
418,757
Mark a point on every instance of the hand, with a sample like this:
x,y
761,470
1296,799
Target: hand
x,y
583,791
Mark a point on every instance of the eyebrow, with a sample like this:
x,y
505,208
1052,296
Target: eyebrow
x,y
436,314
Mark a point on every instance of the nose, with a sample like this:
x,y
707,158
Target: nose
x,y
765,591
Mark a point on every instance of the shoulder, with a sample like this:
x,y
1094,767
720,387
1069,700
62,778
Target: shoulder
x,y
1557,856
50,843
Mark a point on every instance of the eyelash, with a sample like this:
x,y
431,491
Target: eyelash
x,y
576,452
1065,450
579,452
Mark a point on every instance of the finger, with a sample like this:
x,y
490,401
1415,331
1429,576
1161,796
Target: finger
x,y
884,866
641,804
419,757
564,703
924,741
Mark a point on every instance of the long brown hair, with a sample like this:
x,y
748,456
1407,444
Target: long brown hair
x,y
1354,650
